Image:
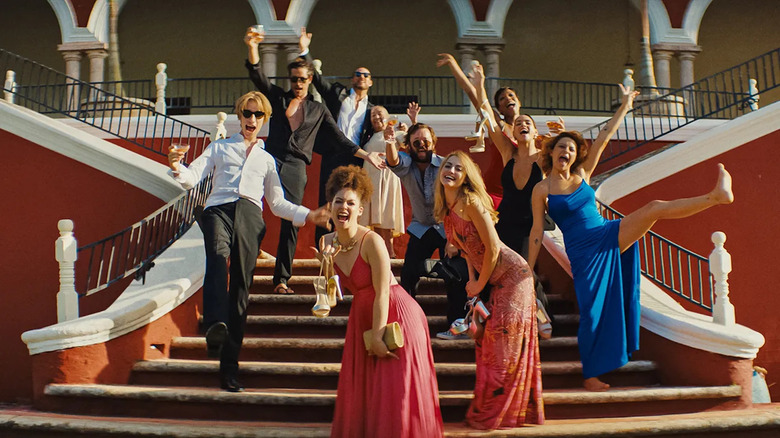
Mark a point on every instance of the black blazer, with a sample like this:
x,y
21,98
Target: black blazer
x,y
333,94
317,122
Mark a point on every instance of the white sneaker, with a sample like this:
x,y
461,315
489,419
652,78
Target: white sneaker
x,y
448,336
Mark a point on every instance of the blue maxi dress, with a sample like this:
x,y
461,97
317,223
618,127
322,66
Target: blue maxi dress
x,y
606,281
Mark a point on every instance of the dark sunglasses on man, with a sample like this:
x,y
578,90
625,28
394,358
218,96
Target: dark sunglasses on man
x,y
247,114
364,74
421,143
297,79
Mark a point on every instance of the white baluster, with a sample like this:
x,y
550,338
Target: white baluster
x,y
720,267
628,79
754,97
219,130
9,86
317,64
160,81
65,253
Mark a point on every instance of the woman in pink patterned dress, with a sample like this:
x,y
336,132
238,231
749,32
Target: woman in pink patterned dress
x,y
508,390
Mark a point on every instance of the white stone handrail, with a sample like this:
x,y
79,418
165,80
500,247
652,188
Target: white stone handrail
x,y
160,81
754,97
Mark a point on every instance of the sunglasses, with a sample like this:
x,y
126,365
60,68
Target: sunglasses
x,y
363,74
297,79
247,114
420,143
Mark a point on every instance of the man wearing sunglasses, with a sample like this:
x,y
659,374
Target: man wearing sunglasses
x,y
352,111
418,169
233,227
297,120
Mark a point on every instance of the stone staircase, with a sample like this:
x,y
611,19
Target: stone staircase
x,y
290,365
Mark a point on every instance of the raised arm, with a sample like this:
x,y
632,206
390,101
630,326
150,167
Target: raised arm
x,y
460,77
188,177
496,134
391,149
606,133
321,84
261,81
538,208
375,253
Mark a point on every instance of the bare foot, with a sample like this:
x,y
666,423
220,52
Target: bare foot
x,y
595,385
722,193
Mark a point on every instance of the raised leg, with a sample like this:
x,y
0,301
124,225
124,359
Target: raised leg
x,y
636,224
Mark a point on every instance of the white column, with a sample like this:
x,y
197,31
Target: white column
x,y
686,67
661,60
720,267
467,52
160,81
268,59
72,70
492,58
65,252
97,64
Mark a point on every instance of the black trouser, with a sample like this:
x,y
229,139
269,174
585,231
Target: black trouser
x,y
292,173
230,232
419,249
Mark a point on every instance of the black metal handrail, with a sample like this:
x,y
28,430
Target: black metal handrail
x,y
677,269
724,95
133,249
48,91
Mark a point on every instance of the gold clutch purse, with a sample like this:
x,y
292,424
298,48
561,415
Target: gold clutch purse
x,y
393,338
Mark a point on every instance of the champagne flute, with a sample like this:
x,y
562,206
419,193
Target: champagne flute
x,y
180,148
392,120
257,32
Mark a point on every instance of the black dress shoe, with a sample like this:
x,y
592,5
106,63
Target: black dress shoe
x,y
216,335
230,384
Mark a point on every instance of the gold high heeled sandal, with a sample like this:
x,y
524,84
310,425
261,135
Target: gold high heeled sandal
x,y
322,306
543,321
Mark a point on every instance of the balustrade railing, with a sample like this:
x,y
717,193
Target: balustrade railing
x,y
133,119
724,95
132,250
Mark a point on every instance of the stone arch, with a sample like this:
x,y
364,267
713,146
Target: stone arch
x,y
298,14
661,30
97,25
469,27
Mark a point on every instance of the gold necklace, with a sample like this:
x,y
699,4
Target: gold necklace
x,y
341,247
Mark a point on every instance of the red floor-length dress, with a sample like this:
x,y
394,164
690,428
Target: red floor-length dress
x,y
508,390
385,397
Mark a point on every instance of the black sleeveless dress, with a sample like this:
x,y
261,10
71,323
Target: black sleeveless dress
x,y
514,213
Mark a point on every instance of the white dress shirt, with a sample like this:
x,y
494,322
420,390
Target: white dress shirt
x,y
351,117
238,176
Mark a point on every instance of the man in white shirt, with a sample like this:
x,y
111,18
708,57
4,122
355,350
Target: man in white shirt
x,y
233,226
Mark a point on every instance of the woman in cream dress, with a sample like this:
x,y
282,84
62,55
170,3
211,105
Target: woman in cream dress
x,y
384,213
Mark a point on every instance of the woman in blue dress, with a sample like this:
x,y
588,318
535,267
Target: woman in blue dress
x,y
603,254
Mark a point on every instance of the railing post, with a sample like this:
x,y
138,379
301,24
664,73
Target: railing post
x,y
65,253
754,97
160,81
219,130
9,86
720,266
628,79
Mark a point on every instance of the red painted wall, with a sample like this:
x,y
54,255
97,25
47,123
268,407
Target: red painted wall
x,y
42,187
751,229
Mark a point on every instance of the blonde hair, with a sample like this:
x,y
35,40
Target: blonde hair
x,y
472,191
259,98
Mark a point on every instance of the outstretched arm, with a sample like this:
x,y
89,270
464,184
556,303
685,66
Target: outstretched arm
x,y
598,146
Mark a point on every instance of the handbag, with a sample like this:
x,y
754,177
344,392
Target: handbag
x,y
393,337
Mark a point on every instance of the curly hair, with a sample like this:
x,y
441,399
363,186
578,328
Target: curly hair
x,y
472,191
349,177
549,144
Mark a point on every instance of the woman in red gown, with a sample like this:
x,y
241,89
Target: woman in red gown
x,y
508,389
381,393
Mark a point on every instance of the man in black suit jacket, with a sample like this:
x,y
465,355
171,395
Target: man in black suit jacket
x,y
295,123
351,109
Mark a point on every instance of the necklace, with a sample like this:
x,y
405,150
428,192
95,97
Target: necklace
x,y
341,247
